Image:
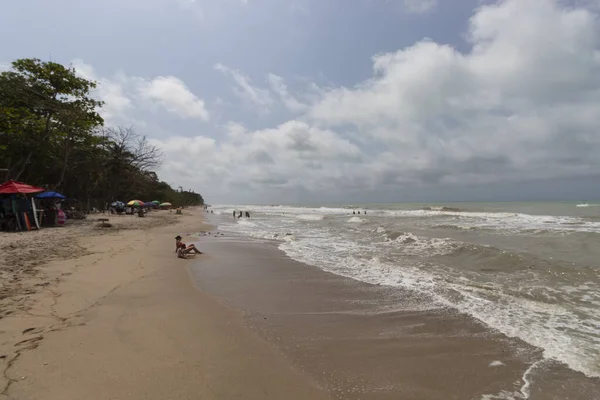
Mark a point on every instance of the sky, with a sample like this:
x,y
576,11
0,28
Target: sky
x,y
328,101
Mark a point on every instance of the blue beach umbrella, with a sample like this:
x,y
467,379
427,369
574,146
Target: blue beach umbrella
x,y
50,195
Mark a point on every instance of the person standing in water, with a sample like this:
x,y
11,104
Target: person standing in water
x,y
233,214
247,214
240,216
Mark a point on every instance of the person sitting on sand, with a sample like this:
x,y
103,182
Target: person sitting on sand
x,y
182,250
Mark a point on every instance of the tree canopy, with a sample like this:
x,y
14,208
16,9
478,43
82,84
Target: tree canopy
x,y
52,135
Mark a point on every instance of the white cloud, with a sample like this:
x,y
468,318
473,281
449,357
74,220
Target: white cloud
x,y
111,91
123,94
263,99
278,86
267,159
522,103
171,93
419,6
246,91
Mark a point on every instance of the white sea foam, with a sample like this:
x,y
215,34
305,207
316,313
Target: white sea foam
x,y
414,245
310,217
245,222
523,393
502,221
356,220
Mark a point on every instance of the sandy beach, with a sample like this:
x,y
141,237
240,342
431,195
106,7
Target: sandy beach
x,y
97,313
92,313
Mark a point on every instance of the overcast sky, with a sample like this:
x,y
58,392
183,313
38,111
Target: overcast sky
x,y
273,101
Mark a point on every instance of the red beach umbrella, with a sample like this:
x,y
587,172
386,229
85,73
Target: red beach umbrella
x,y
13,187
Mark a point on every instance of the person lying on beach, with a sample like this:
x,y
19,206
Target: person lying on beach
x,y
182,250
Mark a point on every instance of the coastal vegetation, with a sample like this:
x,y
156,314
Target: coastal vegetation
x,y
53,135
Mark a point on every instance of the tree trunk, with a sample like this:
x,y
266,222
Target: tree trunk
x,y
24,167
64,167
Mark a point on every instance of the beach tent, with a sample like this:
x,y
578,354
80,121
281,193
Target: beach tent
x,y
50,195
22,207
14,187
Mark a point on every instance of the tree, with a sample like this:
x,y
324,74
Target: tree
x,y
43,104
51,135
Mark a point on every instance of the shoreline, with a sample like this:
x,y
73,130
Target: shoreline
x,y
124,321
368,341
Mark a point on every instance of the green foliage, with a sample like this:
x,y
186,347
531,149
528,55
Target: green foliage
x,y
52,135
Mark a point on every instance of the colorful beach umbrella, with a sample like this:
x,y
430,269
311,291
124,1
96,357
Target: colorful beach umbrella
x,y
14,187
165,204
50,195
156,202
137,203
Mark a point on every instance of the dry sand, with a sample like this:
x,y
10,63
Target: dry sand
x,y
91,313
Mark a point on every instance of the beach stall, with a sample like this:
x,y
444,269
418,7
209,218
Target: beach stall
x,y
18,211
49,208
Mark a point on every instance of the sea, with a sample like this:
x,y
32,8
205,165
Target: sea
x,y
529,270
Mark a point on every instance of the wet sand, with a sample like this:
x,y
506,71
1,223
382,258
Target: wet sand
x,y
361,341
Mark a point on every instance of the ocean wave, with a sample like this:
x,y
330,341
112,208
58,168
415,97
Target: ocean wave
x,y
452,217
507,222
310,217
356,220
511,292
245,222
443,209
410,244
555,328
455,227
